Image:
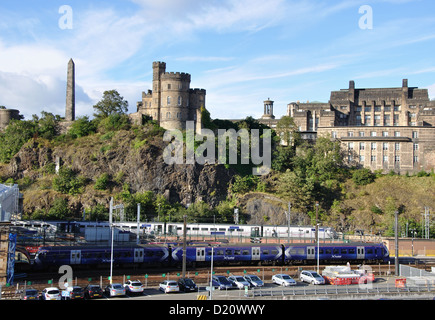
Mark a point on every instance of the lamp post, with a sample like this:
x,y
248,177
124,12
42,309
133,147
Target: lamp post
x,y
318,251
211,273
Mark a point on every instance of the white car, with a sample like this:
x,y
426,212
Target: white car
x,y
254,281
311,277
133,286
239,282
283,280
51,293
169,286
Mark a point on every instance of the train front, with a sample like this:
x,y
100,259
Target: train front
x,y
385,253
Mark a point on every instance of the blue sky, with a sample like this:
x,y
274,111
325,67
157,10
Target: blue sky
x,y
242,52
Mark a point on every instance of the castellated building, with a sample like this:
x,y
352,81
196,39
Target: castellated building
x,y
171,102
387,129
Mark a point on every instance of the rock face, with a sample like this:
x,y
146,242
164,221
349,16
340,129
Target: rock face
x,y
141,166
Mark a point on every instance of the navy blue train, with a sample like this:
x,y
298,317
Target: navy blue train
x,y
243,254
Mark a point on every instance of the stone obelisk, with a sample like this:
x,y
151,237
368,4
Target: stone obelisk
x,y
70,93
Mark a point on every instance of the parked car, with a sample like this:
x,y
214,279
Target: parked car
x,y
133,286
114,290
283,280
93,291
50,293
311,277
29,294
239,281
169,286
74,293
254,281
187,284
222,283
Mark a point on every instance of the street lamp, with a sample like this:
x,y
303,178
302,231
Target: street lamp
x,y
318,251
211,273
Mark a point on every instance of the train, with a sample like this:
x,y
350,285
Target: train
x,y
201,254
206,230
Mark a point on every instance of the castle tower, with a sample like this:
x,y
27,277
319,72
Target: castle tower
x,y
159,68
70,92
268,109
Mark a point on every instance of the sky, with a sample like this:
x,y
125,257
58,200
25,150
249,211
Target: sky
x,y
241,51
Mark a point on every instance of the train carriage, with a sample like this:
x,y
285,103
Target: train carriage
x,y
333,253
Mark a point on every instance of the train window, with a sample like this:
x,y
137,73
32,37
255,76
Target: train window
x,y
370,251
245,252
195,229
274,251
213,229
328,251
237,252
228,252
220,252
343,251
335,251
352,251
321,251
265,251
204,229
222,229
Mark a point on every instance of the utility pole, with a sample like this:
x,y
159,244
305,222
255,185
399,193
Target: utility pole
x,y
396,231
317,221
184,245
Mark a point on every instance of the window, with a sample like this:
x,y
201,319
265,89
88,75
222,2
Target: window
x,y
169,86
385,134
397,146
180,100
361,158
350,134
415,159
377,121
358,120
334,134
385,159
350,145
396,159
373,158
415,146
385,146
414,134
373,134
373,145
367,120
386,120
361,133
397,133
362,145
368,109
396,108
168,99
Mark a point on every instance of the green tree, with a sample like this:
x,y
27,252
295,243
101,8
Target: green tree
x,y
111,103
48,125
362,177
82,127
17,133
68,182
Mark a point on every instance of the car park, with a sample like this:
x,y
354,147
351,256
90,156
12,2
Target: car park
x,y
169,286
114,290
254,281
50,293
239,282
29,294
187,284
222,283
93,291
311,277
283,280
133,286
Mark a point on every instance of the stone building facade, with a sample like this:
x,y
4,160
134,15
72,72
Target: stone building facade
x,y
381,129
171,102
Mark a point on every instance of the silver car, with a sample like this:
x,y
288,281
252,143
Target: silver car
x,y
311,277
114,290
239,282
283,280
254,281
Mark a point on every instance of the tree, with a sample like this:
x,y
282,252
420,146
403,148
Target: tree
x,y
288,132
362,177
48,124
17,133
112,103
82,127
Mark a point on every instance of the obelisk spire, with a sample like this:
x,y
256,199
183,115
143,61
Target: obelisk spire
x,y
70,92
